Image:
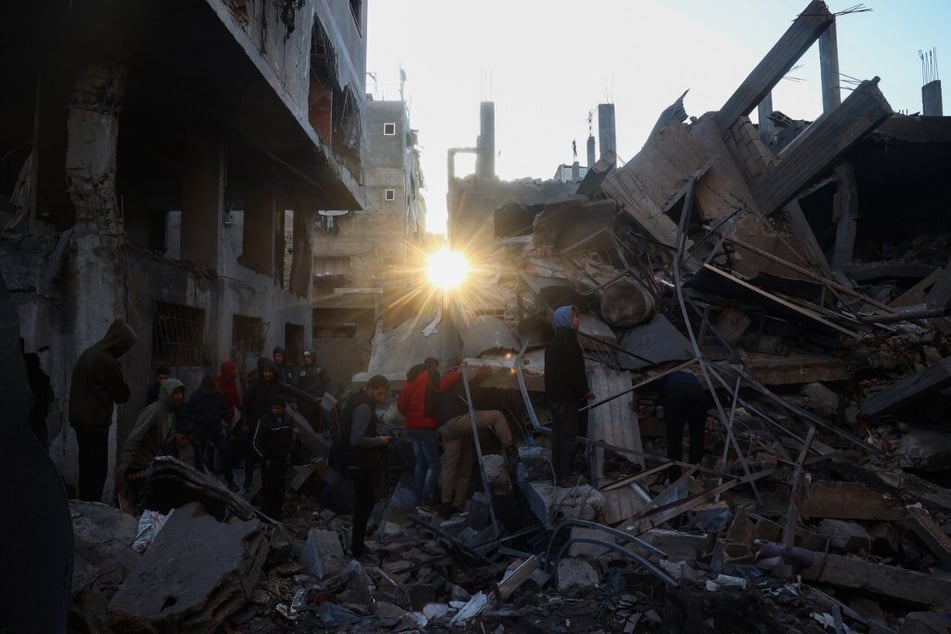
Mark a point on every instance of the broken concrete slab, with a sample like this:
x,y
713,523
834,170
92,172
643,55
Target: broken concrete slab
x,y
929,380
932,535
844,535
890,581
550,503
196,573
655,342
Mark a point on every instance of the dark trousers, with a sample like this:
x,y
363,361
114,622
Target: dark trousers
x,y
93,463
363,499
273,483
217,448
684,403
564,432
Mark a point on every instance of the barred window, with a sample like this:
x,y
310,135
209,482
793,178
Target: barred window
x,y
177,334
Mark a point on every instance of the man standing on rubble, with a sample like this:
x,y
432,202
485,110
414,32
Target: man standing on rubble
x,y
359,450
458,444
285,371
684,401
97,385
257,403
274,443
566,388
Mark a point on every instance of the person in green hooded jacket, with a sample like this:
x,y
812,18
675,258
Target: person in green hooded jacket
x,y
97,385
151,430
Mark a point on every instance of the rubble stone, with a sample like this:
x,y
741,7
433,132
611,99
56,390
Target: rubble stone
x,y
576,573
322,555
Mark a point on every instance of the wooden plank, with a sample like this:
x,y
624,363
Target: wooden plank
x,y
848,501
821,145
797,39
940,293
803,231
928,380
916,294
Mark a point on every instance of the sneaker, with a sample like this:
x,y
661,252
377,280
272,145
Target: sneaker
x,y
426,510
368,559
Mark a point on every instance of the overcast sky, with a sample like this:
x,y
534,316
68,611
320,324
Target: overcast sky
x,y
547,63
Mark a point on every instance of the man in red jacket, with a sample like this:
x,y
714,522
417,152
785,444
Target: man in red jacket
x,y
417,402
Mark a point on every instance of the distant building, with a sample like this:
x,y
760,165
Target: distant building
x,y
368,260
163,163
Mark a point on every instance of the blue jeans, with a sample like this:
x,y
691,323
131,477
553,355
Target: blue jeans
x,y
426,454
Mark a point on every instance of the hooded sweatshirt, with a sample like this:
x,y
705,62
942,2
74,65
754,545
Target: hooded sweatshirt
x,y
152,429
227,383
97,382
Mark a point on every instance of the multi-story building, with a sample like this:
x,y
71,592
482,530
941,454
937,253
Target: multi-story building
x,y
164,162
366,261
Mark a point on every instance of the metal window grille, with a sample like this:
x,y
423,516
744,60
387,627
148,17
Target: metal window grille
x,y
177,334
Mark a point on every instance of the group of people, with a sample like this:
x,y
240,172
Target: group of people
x,y
436,409
201,430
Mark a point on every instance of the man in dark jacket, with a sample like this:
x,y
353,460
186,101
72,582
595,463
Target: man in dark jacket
x,y
208,408
311,379
97,385
566,388
358,449
257,403
684,401
285,371
273,441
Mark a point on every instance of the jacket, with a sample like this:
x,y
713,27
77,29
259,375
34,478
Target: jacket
x,y
207,411
228,384
97,382
273,437
151,430
358,445
565,379
258,398
412,401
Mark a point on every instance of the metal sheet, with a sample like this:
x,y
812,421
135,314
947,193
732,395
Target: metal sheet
x,y
657,340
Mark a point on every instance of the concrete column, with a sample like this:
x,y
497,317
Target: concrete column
x,y
591,156
259,222
829,68
931,99
607,132
763,111
202,202
845,205
485,158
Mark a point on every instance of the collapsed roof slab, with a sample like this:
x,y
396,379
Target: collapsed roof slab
x,y
817,149
780,59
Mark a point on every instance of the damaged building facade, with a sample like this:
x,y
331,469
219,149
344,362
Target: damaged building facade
x,y
164,163
369,260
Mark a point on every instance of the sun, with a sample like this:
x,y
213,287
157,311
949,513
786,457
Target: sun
x,y
447,269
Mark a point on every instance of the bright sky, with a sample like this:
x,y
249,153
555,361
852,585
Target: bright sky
x,y
547,63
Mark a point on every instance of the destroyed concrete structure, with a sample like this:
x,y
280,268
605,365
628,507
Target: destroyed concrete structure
x,y
164,162
820,338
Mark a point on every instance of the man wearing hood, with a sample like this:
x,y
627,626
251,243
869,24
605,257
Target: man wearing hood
x,y
145,441
285,371
257,403
97,385
566,388
311,380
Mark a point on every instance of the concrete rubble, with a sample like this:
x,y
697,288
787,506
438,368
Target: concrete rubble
x,y
722,248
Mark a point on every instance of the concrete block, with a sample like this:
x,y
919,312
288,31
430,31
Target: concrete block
x,y
322,554
576,573
845,535
549,502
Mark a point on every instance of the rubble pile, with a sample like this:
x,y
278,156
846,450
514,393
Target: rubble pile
x,y
724,249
